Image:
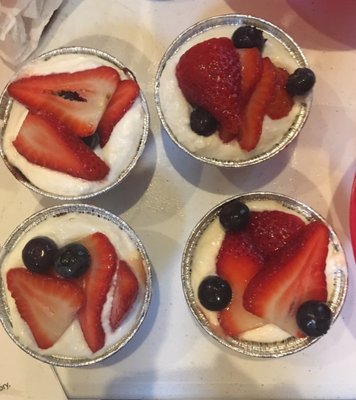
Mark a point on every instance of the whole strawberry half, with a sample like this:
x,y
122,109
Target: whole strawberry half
x,y
125,293
271,230
52,146
237,262
78,99
96,283
47,304
291,276
209,75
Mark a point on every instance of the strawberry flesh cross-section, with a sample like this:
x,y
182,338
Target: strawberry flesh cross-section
x,y
78,100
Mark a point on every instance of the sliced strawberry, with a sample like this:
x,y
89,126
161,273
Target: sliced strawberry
x,y
271,230
125,293
293,275
256,107
123,98
237,263
52,147
251,70
96,283
76,99
281,102
48,305
209,75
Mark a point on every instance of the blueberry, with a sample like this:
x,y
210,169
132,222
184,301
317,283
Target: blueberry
x,y
202,122
300,82
91,141
248,36
234,215
314,318
214,293
39,253
72,261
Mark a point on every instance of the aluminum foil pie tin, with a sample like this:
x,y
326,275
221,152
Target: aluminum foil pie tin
x,y
96,58
174,110
336,273
120,233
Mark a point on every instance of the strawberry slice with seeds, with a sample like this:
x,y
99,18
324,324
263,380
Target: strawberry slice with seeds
x,y
237,262
271,230
96,283
251,70
122,100
209,75
256,107
293,275
281,102
48,305
125,294
53,147
77,99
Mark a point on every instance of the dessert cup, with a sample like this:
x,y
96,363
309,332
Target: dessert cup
x,y
174,110
121,154
267,341
67,223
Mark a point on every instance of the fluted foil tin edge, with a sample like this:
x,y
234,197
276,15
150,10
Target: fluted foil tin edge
x,y
236,20
34,220
259,349
5,109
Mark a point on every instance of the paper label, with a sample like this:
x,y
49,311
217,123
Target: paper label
x,y
24,377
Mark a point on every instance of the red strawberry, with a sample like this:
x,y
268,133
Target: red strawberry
x,y
48,305
251,70
209,75
96,283
271,230
123,98
256,107
125,293
76,99
53,147
281,102
293,275
237,263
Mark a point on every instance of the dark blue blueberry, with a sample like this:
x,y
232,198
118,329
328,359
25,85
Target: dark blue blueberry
x,y
214,293
300,82
234,215
39,253
72,261
314,318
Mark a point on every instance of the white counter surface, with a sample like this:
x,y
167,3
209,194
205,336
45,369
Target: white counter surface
x,y
169,191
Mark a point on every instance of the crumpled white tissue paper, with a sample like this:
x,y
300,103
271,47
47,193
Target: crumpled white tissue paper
x,y
21,25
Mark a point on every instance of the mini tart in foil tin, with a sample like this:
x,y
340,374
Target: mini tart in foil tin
x,y
63,224
268,341
174,110
135,135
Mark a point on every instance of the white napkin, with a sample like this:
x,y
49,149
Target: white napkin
x,y
24,377
21,26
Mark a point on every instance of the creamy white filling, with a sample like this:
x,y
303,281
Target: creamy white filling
x,y
204,264
65,229
117,153
176,110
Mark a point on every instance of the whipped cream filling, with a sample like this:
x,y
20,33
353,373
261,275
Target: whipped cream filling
x,y
204,264
177,110
118,153
65,229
